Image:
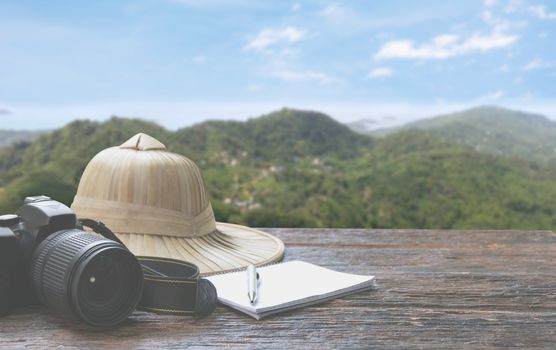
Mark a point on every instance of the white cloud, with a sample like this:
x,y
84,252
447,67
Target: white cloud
x,y
444,46
486,42
301,76
380,72
269,37
493,96
450,45
541,12
536,64
500,24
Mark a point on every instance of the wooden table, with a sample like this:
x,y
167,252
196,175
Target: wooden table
x,y
436,289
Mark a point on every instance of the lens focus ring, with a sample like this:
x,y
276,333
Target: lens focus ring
x,y
51,262
57,267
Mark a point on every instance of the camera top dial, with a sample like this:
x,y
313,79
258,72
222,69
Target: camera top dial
x,y
9,220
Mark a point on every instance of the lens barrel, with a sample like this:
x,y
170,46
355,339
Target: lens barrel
x,y
79,273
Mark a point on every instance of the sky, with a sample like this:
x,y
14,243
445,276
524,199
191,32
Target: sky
x,y
179,62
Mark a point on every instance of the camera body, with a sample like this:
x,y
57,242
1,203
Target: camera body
x,y
46,256
38,218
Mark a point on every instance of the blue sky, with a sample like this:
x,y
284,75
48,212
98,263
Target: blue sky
x,y
178,62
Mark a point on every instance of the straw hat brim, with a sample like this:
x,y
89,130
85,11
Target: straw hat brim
x,y
229,248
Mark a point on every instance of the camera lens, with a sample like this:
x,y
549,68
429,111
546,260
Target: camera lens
x,y
88,276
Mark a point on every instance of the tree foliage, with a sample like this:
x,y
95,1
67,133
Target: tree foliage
x,y
303,169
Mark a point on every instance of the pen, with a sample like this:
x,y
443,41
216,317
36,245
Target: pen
x,y
252,283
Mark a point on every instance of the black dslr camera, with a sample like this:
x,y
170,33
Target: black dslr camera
x,y
46,255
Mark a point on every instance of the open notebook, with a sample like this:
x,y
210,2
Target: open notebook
x,y
287,286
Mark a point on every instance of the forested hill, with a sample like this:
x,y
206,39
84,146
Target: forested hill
x,y
296,168
494,130
280,136
8,137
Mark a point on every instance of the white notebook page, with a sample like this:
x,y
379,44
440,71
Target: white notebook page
x,y
286,285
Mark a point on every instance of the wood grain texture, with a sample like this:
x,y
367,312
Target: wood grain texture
x,y
435,289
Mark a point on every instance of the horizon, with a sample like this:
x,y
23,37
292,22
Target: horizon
x,y
180,62
377,126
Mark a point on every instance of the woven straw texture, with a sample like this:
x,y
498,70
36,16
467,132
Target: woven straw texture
x,y
156,203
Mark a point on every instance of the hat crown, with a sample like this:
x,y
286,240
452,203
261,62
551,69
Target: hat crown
x,y
143,142
139,187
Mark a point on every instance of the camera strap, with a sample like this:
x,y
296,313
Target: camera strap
x,y
170,286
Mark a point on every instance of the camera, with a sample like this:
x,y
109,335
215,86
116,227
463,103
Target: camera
x,y
46,256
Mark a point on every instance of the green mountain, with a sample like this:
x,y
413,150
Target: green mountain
x,y
296,168
284,135
232,154
494,130
8,137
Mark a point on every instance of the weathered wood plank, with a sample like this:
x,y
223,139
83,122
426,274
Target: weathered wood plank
x,y
436,289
